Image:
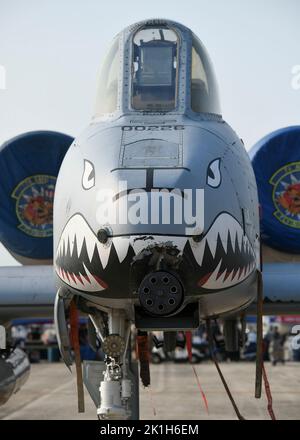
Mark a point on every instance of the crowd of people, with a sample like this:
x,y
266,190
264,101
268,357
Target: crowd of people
x,y
40,339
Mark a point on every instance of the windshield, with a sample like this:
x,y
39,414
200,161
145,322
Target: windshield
x,y
204,89
154,70
108,79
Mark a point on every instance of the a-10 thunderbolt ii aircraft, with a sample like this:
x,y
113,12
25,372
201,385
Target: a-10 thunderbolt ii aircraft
x,y
156,218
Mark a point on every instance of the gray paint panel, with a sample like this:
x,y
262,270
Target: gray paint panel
x,y
151,153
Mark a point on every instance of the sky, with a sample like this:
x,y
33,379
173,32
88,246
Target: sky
x,y
50,51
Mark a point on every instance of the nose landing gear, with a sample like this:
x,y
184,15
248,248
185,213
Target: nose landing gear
x,y
114,393
117,397
116,389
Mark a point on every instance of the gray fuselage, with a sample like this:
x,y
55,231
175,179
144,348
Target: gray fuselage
x,y
141,192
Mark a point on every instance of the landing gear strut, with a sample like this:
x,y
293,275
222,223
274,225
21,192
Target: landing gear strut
x,y
117,397
116,388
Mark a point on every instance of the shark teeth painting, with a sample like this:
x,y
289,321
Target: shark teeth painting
x,y
227,250
224,255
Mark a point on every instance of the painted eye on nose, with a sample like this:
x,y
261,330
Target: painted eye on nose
x,y
214,178
88,177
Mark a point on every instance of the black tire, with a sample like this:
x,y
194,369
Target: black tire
x,y
170,341
231,335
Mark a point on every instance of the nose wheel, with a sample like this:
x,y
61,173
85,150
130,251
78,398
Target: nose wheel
x,y
113,346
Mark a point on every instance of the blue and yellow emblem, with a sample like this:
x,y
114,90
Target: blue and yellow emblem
x,y
34,205
286,194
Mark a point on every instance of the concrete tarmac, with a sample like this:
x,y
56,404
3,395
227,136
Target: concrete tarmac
x,y
50,393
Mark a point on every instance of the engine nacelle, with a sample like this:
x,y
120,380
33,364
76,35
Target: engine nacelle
x,y
29,166
276,163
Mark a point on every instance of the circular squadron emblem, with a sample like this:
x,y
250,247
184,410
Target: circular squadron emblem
x,y
34,205
286,194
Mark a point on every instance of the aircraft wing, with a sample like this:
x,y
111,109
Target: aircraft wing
x,y
26,292
29,291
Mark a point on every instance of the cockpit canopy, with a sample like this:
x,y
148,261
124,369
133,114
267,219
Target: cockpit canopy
x,y
164,61
108,82
154,70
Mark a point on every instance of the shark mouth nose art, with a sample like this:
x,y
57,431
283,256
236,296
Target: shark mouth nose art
x,y
227,249
81,259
